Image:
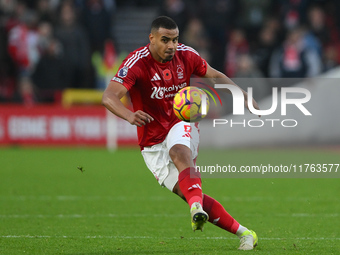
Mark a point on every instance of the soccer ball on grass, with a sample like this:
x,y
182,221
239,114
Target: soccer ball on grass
x,y
191,104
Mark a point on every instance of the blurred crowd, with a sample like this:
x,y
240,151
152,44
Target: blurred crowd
x,y
50,45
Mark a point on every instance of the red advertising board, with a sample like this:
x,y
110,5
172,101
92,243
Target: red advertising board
x,y
55,125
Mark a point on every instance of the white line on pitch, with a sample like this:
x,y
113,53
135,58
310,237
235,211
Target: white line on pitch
x,y
90,215
157,198
66,216
81,198
167,238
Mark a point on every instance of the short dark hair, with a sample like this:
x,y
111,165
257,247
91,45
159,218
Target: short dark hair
x,y
164,22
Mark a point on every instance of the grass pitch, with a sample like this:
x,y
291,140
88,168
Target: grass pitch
x,y
90,201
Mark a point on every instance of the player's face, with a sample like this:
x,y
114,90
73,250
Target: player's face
x,y
164,43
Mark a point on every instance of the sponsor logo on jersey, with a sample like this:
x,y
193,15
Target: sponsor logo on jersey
x,y
123,72
164,92
117,80
167,74
156,77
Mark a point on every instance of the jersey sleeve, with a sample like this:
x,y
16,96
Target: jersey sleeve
x,y
199,64
125,75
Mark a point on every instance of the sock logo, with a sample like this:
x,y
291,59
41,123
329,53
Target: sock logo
x,y
195,186
216,220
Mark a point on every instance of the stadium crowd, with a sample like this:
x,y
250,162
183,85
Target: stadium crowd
x,y
50,45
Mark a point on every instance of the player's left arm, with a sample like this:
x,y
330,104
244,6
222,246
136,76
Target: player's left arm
x,y
216,77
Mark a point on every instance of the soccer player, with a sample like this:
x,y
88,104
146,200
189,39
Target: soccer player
x,y
152,74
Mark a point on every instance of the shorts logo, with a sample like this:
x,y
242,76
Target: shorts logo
x,y
167,74
187,128
187,135
123,72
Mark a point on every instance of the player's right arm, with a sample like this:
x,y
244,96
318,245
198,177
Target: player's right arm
x,y
111,100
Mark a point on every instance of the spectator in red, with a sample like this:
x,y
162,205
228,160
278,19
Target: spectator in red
x,y
23,49
23,43
237,46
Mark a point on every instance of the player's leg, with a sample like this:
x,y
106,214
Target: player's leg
x,y
217,214
189,180
182,150
221,218
182,142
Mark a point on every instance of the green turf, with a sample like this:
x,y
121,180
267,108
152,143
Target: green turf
x,y
48,206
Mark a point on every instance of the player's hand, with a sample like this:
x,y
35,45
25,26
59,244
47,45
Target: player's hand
x,y
139,118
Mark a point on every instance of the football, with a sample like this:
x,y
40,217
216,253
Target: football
x,y
191,104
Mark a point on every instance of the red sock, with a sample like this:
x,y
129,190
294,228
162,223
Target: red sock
x,y
190,185
218,215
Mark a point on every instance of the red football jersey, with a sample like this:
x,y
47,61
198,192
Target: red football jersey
x,y
152,86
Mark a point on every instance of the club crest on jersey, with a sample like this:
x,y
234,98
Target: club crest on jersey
x,y
123,72
167,74
179,72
